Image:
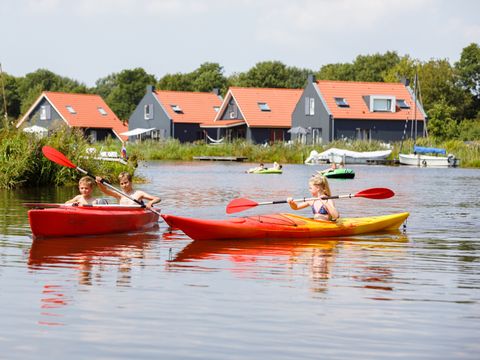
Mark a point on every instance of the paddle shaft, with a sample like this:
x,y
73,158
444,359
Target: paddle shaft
x,y
307,199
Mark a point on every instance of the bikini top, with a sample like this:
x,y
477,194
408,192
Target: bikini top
x,y
322,210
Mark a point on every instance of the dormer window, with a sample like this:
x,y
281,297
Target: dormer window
x,y
102,111
402,104
176,108
341,102
263,106
382,103
70,109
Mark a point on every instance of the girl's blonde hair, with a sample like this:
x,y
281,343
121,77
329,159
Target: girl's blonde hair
x,y
321,181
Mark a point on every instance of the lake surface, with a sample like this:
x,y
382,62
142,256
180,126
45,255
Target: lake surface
x,y
158,295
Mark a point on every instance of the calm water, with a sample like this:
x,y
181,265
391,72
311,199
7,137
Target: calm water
x,y
412,295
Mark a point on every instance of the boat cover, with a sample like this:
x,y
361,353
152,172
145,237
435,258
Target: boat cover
x,y
426,150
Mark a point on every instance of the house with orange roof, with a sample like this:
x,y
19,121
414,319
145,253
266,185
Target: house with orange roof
x,y
332,110
163,114
85,111
256,114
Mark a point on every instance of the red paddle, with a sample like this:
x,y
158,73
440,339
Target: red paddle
x,y
237,205
57,157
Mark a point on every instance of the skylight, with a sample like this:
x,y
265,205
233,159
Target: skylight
x,y
70,109
176,108
263,106
341,102
402,104
216,108
102,111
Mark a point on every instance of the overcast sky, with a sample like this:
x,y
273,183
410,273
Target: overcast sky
x,y
89,39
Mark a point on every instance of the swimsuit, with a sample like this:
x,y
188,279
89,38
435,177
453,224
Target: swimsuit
x,y
322,210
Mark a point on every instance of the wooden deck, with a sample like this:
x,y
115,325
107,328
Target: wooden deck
x,y
220,158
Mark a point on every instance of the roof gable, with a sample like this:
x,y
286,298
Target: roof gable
x,y
189,107
263,107
351,100
82,110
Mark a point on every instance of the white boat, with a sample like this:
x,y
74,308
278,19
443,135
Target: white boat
x,y
418,158
334,155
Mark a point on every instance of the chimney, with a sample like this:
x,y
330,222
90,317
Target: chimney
x,y
311,79
150,89
216,91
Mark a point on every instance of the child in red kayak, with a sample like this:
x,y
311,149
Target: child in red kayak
x,y
323,209
125,180
85,186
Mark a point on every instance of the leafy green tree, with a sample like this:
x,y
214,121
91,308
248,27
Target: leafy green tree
x,y
31,86
271,74
441,124
12,98
468,72
336,72
208,77
129,89
374,67
406,68
175,82
104,86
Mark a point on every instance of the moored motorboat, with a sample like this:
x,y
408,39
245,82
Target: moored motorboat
x,y
419,158
334,155
281,226
89,220
340,173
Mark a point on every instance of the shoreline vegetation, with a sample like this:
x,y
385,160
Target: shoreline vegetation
x,y
23,164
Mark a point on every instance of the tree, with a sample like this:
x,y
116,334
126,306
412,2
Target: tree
x,y
336,72
31,86
441,124
175,82
207,77
374,67
468,72
104,86
271,74
12,98
128,90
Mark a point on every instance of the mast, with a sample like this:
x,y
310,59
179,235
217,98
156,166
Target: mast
x,y
4,97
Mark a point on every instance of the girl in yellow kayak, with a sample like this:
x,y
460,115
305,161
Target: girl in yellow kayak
x,y
323,209
127,187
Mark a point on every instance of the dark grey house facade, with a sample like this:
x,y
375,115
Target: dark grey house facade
x,y
332,110
172,114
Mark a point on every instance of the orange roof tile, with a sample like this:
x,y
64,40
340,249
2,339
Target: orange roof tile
x,y
354,93
281,102
86,108
195,107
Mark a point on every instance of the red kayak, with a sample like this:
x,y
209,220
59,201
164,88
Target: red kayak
x,y
89,220
276,226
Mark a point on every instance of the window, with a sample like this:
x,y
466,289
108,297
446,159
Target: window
x,y
309,106
45,112
402,104
380,103
102,111
70,109
148,112
341,102
317,136
176,108
363,134
263,106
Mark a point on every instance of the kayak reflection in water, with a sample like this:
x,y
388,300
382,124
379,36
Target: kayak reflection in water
x,y
85,186
323,209
125,180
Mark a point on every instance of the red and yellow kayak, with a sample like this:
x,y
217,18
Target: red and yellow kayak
x,y
89,220
282,226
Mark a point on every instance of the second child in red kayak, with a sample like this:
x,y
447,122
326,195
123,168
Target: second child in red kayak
x,y
125,180
323,209
85,186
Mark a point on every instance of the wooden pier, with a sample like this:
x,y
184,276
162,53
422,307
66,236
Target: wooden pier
x,y
220,158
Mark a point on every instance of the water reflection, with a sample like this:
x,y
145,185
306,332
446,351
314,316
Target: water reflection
x,y
91,258
287,258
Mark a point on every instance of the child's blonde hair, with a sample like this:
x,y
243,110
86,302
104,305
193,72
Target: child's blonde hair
x,y
321,181
86,180
125,174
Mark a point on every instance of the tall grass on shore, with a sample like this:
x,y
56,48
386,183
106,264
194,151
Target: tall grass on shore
x,y
23,164
295,153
